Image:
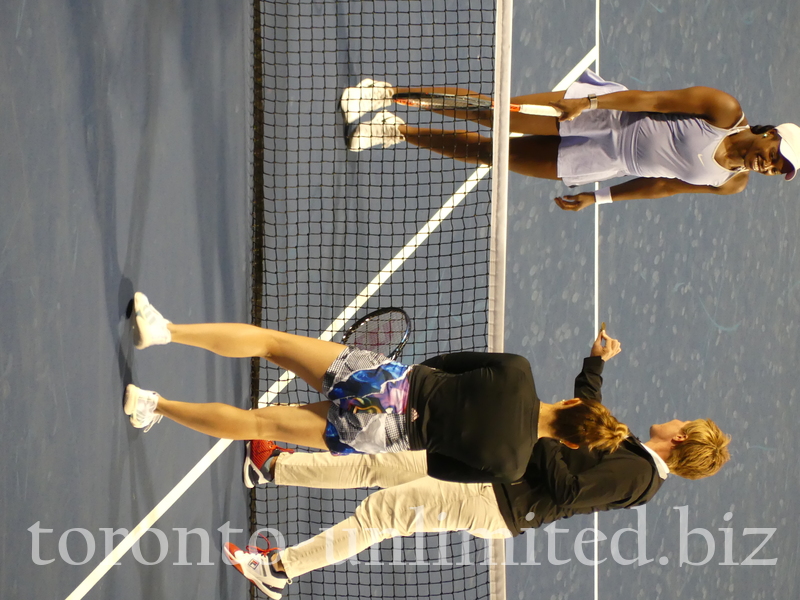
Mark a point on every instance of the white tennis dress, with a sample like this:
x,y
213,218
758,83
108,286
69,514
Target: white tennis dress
x,y
604,144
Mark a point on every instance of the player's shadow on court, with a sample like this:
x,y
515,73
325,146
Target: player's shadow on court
x,y
127,338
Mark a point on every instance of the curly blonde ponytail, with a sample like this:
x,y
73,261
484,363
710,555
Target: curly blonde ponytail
x,y
589,423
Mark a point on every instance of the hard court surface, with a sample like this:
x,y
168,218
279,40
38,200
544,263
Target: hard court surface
x,y
125,166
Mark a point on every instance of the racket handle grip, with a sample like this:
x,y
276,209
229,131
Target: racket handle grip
x,y
539,110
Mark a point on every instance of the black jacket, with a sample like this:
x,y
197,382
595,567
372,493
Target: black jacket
x,y
560,482
476,414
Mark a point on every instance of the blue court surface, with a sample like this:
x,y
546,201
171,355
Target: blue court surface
x,y
125,166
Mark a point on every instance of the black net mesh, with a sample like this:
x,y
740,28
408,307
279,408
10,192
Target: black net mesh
x,y
327,221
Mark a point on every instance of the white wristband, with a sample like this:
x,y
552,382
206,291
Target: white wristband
x,y
592,101
603,196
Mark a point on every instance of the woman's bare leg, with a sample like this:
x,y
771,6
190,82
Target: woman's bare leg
x,y
526,124
303,425
308,358
466,146
535,155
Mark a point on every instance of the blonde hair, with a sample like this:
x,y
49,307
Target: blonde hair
x,y
589,423
702,453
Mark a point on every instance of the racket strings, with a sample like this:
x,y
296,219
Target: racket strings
x,y
385,333
441,101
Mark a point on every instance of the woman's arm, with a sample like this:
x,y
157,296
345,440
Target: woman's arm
x,y
715,106
590,380
654,187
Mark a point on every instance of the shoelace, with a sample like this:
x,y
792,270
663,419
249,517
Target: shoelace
x,y
153,421
272,446
262,551
154,418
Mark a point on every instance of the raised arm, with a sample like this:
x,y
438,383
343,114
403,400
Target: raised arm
x,y
654,187
590,380
715,106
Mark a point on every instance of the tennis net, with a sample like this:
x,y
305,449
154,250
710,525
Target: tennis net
x,y
334,229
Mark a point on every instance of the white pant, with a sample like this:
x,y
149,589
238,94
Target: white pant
x,y
410,502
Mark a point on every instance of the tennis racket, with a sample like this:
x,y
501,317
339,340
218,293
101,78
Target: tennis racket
x,y
385,330
464,102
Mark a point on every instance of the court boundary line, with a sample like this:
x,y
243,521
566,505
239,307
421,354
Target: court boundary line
x,y
216,451
596,517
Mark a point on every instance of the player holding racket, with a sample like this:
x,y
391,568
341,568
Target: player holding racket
x,y
476,414
695,140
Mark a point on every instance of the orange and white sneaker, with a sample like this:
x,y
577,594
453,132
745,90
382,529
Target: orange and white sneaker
x,y
257,453
256,565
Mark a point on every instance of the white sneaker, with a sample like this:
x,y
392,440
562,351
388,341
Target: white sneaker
x,y
257,567
383,130
367,96
140,405
151,326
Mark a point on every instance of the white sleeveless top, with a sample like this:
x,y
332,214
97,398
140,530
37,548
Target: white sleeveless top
x,y
675,146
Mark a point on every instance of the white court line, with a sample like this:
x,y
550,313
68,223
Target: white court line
x,y
162,507
137,532
597,296
591,57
